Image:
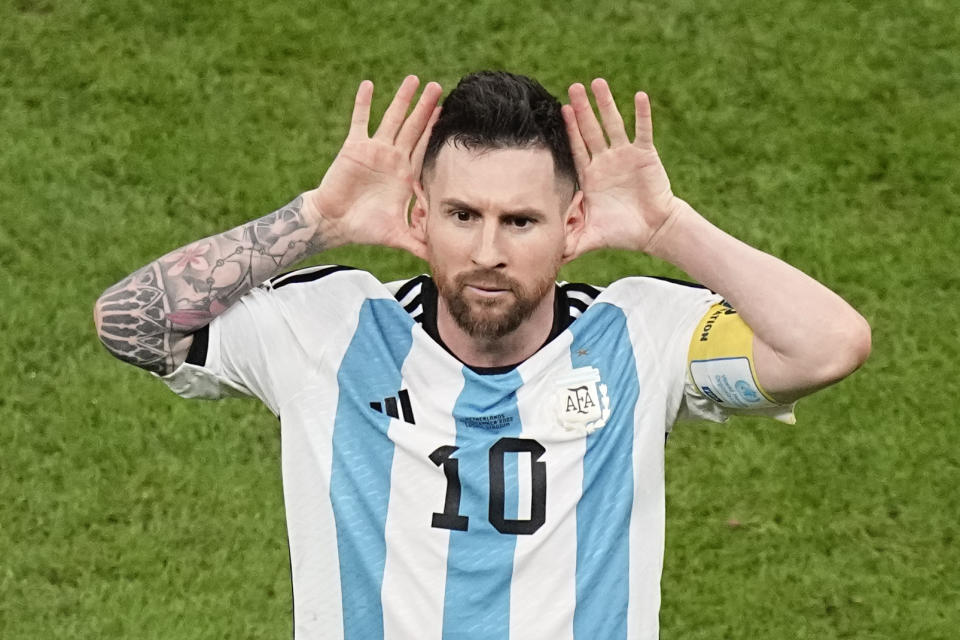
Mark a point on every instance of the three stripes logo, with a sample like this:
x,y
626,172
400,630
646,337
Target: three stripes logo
x,y
389,406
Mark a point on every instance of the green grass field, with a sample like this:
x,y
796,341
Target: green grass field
x,y
825,133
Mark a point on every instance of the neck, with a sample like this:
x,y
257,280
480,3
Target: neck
x,y
512,348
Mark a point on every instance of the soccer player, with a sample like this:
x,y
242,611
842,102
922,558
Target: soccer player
x,y
479,453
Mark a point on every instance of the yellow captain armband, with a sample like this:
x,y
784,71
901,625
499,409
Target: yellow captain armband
x,y
720,360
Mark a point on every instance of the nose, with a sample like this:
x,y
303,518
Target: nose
x,y
486,251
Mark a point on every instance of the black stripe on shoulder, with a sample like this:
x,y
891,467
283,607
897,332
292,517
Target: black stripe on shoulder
x,y
684,283
198,348
304,275
578,304
409,286
579,287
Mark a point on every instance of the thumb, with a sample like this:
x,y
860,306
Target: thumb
x,y
406,241
586,242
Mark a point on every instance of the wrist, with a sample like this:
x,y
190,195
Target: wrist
x,y
662,244
317,212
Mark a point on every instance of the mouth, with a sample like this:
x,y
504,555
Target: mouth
x,y
485,290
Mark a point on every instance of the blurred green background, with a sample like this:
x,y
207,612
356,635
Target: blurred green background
x,y
825,133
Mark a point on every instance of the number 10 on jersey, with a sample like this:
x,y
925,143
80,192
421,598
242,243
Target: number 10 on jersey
x,y
451,518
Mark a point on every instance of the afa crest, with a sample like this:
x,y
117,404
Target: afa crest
x,y
581,401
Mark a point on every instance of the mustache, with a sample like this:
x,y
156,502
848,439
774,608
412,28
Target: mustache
x,y
487,278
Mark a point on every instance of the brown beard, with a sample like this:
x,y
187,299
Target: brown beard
x,y
481,319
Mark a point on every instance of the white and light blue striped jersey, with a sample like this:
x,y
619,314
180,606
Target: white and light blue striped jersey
x,y
429,500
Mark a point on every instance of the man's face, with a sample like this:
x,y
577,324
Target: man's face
x,y
497,225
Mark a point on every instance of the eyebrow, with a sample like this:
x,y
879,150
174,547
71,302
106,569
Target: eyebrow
x,y
526,212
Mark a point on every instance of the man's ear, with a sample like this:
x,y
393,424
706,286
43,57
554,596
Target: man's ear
x,y
574,221
418,214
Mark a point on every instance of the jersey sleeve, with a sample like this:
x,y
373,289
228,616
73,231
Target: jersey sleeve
x,y
280,338
721,377
245,347
667,315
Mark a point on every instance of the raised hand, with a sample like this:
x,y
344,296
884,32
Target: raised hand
x,y
364,196
626,192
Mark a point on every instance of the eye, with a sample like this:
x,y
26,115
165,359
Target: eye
x,y
462,215
520,222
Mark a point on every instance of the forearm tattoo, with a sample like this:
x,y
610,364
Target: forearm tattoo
x,y
141,318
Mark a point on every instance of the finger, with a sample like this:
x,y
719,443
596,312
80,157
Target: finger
x,y
644,137
586,120
413,127
581,158
361,111
416,158
397,111
612,121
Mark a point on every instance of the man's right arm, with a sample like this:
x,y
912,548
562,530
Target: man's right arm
x,y
147,318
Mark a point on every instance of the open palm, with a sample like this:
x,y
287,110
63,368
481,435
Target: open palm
x,y
626,193
365,193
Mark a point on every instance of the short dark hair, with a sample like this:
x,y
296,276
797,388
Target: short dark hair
x,y
497,110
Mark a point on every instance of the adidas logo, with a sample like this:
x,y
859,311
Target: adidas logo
x,y
389,406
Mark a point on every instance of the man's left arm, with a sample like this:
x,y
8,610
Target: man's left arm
x,y
805,336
